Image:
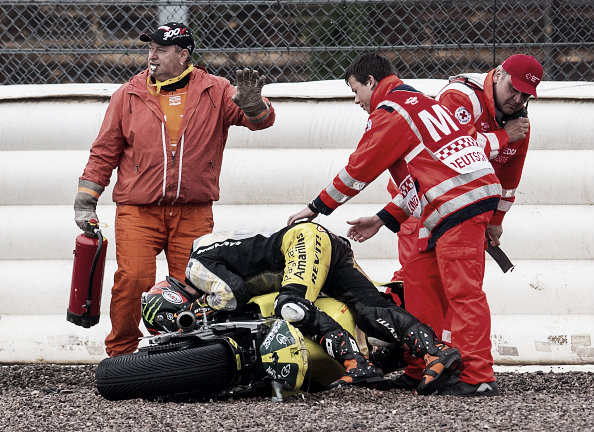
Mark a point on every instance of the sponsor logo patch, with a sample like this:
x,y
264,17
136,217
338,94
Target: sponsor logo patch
x,y
463,155
285,371
172,33
283,340
216,245
172,297
532,78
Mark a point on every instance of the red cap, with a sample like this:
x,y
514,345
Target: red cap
x,y
525,71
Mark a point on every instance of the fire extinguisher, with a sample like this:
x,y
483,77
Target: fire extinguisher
x,y
88,268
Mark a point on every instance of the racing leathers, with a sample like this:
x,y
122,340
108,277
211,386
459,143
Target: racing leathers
x,y
446,181
299,262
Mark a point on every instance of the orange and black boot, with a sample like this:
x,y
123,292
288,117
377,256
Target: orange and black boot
x,y
358,369
443,363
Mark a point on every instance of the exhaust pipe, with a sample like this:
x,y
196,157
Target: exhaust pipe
x,y
186,321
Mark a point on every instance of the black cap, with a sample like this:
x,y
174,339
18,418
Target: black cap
x,y
172,33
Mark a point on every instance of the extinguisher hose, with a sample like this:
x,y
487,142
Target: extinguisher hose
x,y
92,273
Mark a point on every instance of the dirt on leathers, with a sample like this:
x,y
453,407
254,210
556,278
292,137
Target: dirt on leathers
x,y
42,397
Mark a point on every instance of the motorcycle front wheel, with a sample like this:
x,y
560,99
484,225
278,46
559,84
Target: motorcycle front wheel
x,y
202,370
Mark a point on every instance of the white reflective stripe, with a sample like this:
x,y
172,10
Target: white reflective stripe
x,y
180,155
478,79
451,183
404,113
460,202
482,140
414,152
504,205
477,109
350,182
336,195
424,201
495,146
508,193
164,162
424,232
399,202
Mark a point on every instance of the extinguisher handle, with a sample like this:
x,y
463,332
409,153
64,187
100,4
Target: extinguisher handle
x,y
92,272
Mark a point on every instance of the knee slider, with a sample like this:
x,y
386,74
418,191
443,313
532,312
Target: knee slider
x,y
340,345
420,339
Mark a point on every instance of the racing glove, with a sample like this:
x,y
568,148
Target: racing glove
x,y
249,95
200,308
85,204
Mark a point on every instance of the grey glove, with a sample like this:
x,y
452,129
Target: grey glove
x,y
85,204
249,94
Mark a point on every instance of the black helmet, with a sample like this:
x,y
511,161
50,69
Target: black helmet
x,y
162,306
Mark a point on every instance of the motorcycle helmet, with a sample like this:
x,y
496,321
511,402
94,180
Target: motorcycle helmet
x,y
162,304
284,356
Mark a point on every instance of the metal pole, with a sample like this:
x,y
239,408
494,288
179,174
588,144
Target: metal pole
x,y
494,33
549,58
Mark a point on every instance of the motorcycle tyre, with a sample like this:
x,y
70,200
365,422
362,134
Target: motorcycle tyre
x,y
203,370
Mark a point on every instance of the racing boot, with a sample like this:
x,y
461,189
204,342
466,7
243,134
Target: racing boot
x,y
442,363
358,369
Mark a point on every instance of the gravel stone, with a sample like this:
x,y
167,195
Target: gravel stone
x,y
44,397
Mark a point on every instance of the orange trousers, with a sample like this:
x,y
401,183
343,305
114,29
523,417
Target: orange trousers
x,y
142,233
444,288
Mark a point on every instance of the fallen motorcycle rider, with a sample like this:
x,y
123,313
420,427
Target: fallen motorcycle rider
x,y
300,262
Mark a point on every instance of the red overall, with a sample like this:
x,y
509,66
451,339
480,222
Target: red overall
x,y
444,289
445,180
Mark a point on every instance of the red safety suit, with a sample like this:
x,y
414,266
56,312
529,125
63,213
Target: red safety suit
x,y
164,200
471,99
446,181
442,174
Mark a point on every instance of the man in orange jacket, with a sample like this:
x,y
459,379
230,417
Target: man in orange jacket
x,y
165,131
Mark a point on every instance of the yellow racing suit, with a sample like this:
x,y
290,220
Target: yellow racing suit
x,y
299,261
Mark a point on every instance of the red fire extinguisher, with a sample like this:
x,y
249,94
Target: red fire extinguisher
x,y
88,268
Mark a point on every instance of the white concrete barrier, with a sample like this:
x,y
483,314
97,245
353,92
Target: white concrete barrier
x,y
252,175
543,311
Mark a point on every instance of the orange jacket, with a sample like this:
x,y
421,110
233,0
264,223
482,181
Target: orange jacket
x,y
472,102
133,138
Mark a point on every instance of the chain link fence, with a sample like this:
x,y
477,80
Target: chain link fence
x,y
91,41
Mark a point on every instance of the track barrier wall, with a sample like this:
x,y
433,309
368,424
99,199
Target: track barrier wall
x,y
543,311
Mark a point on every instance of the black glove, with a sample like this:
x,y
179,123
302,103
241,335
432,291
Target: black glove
x,y
249,94
85,205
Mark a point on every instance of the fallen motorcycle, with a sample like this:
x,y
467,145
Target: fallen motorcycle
x,y
220,354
